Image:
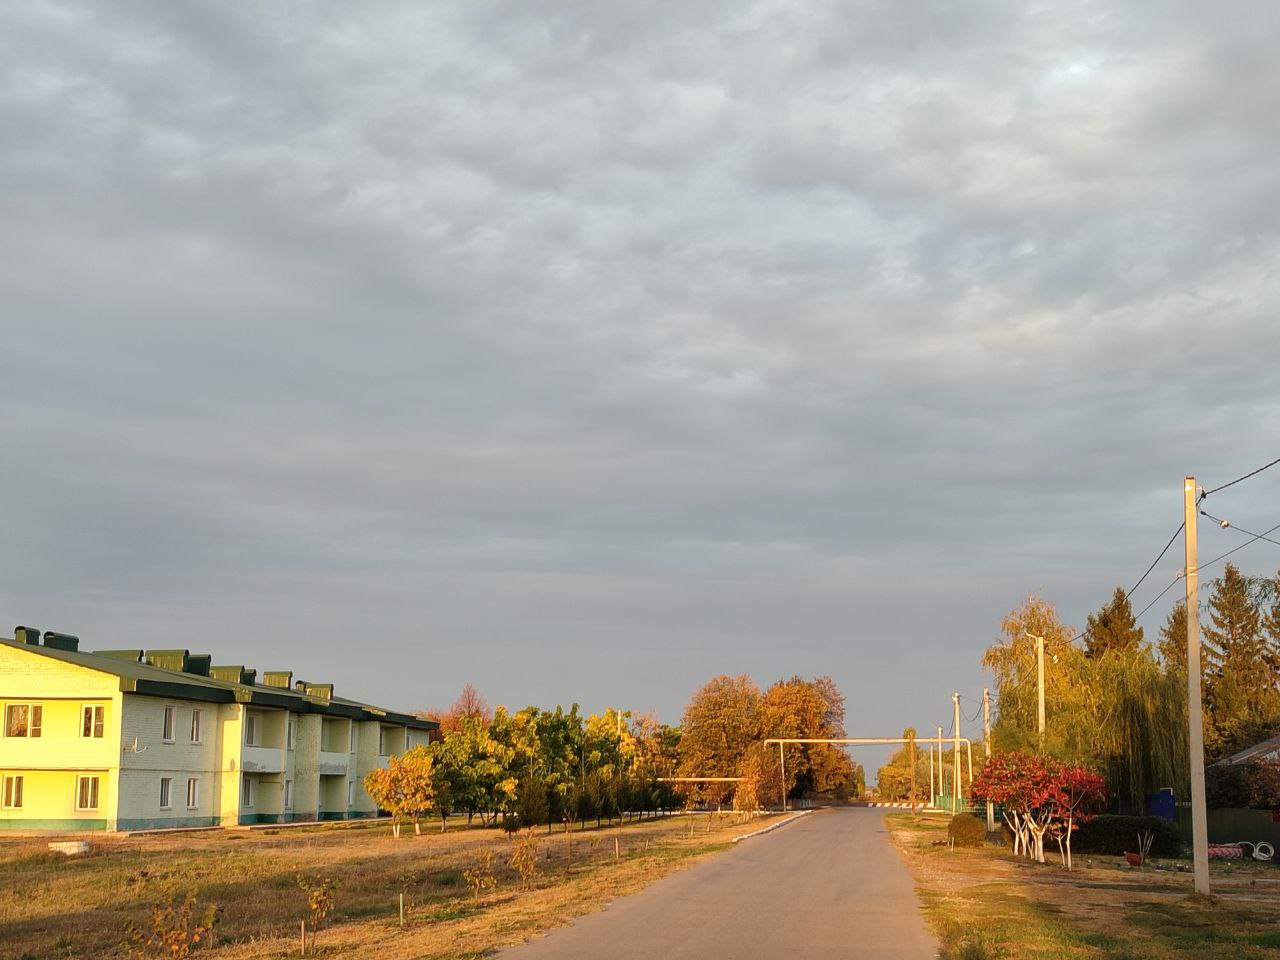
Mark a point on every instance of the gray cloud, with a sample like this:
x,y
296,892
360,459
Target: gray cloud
x,y
585,352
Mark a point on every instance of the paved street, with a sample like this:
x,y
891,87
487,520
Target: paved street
x,y
828,885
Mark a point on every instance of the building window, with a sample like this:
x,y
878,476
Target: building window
x,y
193,793
250,730
13,792
195,726
166,793
91,720
289,734
382,741
288,794
247,796
87,793
23,719
351,793
353,736
170,722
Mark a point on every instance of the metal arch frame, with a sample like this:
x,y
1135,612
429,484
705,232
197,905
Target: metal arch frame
x,y
866,741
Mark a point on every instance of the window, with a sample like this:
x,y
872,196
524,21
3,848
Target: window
x,y
246,799
23,719
382,741
351,793
195,726
288,794
91,721
289,734
193,793
87,793
353,736
13,792
250,730
170,722
166,793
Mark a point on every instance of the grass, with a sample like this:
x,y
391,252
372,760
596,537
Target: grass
x,y
55,907
984,904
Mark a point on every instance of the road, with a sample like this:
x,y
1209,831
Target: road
x,y
828,885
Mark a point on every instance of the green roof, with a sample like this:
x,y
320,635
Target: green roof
x,y
148,680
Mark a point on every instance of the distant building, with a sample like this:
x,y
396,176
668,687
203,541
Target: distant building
x,y
1266,750
133,739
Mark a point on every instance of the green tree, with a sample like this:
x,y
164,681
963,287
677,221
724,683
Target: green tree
x,y
1112,628
1173,638
1242,703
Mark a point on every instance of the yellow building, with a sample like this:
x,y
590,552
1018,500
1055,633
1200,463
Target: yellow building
x,y
134,740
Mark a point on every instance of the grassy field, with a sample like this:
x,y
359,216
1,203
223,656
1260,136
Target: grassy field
x,y
55,907
985,904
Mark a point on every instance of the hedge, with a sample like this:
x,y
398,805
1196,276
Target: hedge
x,y
966,830
1111,834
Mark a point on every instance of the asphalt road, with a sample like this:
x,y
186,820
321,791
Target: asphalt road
x,y
828,885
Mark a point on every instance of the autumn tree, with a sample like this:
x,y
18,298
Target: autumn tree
x,y
1173,638
473,770
470,705
721,722
1113,628
803,709
406,788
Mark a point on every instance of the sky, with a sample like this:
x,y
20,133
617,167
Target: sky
x,y
586,351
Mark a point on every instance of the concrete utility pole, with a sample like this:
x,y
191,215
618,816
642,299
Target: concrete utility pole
x,y
941,769
1039,686
932,793
955,756
782,762
913,770
1195,737
986,741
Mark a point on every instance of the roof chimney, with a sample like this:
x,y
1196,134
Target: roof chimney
x,y
198,664
278,678
323,690
233,674
168,659
61,641
27,635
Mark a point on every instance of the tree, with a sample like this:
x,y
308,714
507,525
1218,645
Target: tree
x,y
1077,796
1243,705
405,788
893,780
475,769
721,722
1022,784
470,705
1173,638
1113,628
1071,700
761,785
803,709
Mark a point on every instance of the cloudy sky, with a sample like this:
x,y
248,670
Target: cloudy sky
x,y
584,351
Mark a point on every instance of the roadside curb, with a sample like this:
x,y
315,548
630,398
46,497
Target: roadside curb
x,y
771,827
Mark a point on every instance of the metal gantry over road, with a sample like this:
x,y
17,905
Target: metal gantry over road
x,y
874,741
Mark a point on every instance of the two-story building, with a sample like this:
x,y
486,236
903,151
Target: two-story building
x,y
148,739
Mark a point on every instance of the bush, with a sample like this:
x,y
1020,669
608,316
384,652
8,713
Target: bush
x,y
966,830
1110,834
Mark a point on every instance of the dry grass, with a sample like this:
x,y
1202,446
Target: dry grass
x,y
53,907
984,903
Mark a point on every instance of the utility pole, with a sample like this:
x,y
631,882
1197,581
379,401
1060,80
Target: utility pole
x,y
941,768
955,756
912,745
932,793
986,742
1195,733
782,761
1039,686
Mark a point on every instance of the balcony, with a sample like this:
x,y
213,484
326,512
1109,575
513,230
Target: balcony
x,y
262,760
334,764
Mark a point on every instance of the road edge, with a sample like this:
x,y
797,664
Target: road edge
x,y
771,827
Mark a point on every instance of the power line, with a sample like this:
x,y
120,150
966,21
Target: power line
x,y
1251,473
1253,539
1248,533
1158,596
1158,558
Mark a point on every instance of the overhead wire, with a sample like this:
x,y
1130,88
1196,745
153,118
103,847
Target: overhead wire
x,y
1251,473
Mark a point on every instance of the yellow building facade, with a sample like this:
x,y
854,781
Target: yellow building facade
x,y
135,740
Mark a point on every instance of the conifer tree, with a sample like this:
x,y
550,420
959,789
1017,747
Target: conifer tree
x,y
1173,638
1112,628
